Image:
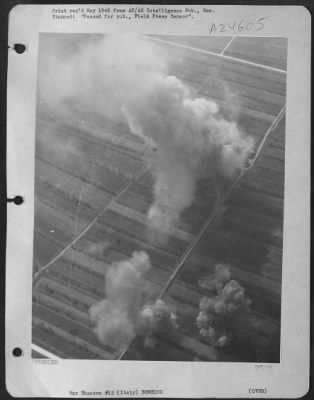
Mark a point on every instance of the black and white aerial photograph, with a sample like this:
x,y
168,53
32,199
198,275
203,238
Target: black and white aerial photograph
x,y
159,197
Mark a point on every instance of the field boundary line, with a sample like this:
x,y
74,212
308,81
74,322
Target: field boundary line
x,y
219,55
44,352
189,250
227,45
38,274
273,126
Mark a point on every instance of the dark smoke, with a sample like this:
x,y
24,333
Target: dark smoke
x,y
225,314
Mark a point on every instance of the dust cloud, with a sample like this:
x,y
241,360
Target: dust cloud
x,y
126,311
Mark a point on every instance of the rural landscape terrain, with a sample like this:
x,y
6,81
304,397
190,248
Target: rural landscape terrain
x,y
124,267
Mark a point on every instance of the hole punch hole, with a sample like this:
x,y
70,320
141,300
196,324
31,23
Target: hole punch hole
x,y
17,352
18,200
19,48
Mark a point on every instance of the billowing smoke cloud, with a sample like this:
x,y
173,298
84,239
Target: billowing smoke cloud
x,y
125,78
126,310
157,318
192,140
225,314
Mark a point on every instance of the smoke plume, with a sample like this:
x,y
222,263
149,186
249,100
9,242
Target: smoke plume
x,y
126,310
225,314
157,318
125,78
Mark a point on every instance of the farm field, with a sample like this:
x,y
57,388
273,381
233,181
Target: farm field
x,y
248,236
92,200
